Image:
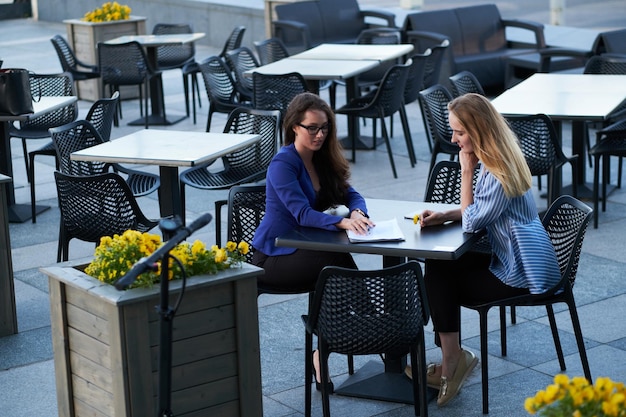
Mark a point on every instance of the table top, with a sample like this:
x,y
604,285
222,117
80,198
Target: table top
x,y
438,242
336,51
45,105
564,96
159,40
166,147
316,69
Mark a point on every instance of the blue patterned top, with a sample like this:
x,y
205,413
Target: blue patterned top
x,y
523,255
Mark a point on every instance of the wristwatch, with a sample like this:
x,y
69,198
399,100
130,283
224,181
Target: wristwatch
x,y
361,212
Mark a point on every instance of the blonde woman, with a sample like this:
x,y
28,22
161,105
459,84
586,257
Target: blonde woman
x,y
522,259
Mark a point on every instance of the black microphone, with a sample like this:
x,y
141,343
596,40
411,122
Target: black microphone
x,y
149,262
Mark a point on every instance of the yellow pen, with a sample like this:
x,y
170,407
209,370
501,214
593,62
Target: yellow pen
x,y
416,218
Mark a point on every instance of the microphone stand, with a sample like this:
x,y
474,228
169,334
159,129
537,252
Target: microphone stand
x,y
173,229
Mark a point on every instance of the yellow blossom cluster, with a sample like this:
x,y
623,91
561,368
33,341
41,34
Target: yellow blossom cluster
x,y
577,397
116,255
109,12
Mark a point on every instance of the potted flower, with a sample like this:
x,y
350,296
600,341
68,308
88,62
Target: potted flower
x,y
577,397
107,22
106,342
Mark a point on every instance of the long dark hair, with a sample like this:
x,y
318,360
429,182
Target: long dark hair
x,y
331,166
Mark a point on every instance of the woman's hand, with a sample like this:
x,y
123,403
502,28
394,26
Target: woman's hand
x,y
434,218
357,223
468,160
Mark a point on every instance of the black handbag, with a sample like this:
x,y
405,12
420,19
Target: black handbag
x,y
15,95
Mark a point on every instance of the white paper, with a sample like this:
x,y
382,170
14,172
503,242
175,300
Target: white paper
x,y
384,231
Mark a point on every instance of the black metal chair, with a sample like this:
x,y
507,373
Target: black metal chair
x,y
270,50
95,206
540,145
610,141
566,222
70,63
465,82
182,57
368,312
245,166
434,105
127,64
385,101
220,88
239,61
233,41
37,128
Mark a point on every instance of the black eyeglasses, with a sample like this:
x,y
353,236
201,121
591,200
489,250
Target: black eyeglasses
x,y
314,130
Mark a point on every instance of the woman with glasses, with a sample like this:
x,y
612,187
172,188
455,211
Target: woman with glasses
x,y
308,176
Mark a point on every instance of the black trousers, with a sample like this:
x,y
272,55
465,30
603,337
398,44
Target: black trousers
x,y
467,279
297,272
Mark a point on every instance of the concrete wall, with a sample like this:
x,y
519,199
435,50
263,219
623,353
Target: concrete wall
x,y
216,20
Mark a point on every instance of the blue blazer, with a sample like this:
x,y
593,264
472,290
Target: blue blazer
x,y
290,198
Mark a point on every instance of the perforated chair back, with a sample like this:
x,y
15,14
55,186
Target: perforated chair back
x,y
233,41
275,91
246,209
101,115
358,312
434,105
432,71
465,82
540,145
123,63
444,183
606,64
174,56
270,50
50,85
239,61
95,206
70,63
74,137
378,36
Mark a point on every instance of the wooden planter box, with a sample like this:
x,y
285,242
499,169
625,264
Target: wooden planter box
x,y
106,346
83,37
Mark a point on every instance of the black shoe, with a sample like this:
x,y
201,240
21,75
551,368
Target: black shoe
x,y
318,385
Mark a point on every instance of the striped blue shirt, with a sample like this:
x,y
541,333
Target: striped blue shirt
x,y
523,255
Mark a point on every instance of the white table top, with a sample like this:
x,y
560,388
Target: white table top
x,y
43,106
332,51
564,96
316,69
166,148
159,40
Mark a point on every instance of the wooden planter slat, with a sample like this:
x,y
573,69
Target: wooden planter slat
x,y
106,346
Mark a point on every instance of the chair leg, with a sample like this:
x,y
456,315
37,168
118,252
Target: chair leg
x,y
186,92
596,186
325,375
555,336
407,136
386,137
483,359
31,175
579,337
218,220
513,315
503,330
308,372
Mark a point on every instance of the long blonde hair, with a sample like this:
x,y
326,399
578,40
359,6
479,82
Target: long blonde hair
x,y
494,143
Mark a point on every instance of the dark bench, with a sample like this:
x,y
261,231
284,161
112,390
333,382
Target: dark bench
x,y
304,24
477,40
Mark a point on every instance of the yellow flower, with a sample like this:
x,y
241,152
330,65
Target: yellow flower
x,y
108,12
231,246
243,247
416,218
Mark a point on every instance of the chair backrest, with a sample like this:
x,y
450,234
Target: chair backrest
x,y
606,64
95,206
174,56
270,50
246,209
52,85
378,36
275,91
539,142
566,222
234,40
65,53
444,183
218,80
101,115
123,63
367,312
389,95
74,137
255,159
239,61
415,79
432,72
434,104
465,82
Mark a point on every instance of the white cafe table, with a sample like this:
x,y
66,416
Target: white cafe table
x,y
338,51
575,98
169,149
151,43
19,213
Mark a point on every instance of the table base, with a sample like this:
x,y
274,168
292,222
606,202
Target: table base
x,y
157,120
362,143
372,382
19,213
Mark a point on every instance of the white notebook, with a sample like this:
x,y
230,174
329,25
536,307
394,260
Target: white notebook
x,y
384,231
